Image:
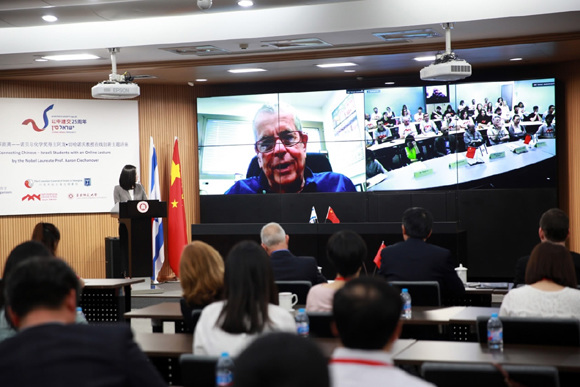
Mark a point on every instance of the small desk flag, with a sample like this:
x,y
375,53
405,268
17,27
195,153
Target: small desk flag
x,y
377,259
313,216
331,216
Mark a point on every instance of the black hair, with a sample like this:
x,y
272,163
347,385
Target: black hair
x,y
418,222
347,251
281,359
19,254
128,177
549,117
48,234
39,282
248,289
366,312
555,225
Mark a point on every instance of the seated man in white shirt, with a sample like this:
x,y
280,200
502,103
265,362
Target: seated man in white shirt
x,y
418,117
366,315
406,128
428,126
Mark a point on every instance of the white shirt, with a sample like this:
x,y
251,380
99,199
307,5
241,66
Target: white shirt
x,y
381,371
209,339
404,131
528,301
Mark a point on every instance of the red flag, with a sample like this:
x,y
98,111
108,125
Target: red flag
x,y
331,216
377,259
176,227
470,152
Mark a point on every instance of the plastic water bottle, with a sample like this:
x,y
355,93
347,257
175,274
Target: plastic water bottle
x,y
406,297
302,323
224,371
81,318
494,333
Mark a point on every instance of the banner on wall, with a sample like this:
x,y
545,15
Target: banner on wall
x,y
64,156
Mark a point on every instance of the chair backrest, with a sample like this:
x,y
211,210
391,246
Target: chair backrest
x,y
534,330
197,370
300,288
190,316
423,293
317,162
484,375
320,324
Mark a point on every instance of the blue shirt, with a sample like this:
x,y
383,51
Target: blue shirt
x,y
314,182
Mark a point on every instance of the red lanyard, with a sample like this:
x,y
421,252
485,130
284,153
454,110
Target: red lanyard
x,y
373,363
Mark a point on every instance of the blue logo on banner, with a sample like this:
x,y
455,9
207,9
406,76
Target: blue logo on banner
x,y
87,181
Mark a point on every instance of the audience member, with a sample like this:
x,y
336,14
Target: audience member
x,y
250,306
535,115
418,117
550,289
463,120
481,116
41,299
346,250
550,112
366,313
415,260
406,128
412,151
390,115
547,129
281,153
369,124
299,363
375,116
405,113
129,187
19,254
472,137
47,234
427,126
516,131
554,228
285,265
201,273
496,134
373,166
449,112
445,144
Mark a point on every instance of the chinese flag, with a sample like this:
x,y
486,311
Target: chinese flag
x,y
176,227
470,152
377,259
331,216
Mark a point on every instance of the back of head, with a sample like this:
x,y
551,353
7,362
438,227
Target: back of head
x,y
347,251
128,177
272,234
555,225
201,273
248,289
418,222
551,261
48,234
263,363
39,282
366,311
19,254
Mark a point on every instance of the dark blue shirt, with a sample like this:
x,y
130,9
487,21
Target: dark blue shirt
x,y
314,182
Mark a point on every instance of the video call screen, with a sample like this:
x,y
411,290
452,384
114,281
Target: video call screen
x,y
350,130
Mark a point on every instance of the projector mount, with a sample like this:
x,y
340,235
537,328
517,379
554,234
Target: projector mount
x,y
114,77
448,55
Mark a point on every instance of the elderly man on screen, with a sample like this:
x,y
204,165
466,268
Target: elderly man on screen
x,y
281,150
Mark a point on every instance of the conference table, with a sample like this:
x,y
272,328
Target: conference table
x,y
452,169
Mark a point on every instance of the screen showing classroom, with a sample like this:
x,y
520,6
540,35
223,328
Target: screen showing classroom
x,y
349,128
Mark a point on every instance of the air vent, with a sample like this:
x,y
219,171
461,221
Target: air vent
x,y
406,36
196,50
296,43
460,69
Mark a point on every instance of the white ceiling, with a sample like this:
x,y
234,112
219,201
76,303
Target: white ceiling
x,y
485,34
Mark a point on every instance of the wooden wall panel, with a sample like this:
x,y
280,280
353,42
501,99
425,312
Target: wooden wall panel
x,y
164,112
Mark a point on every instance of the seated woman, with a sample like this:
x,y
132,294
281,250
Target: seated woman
x,y
550,289
201,272
346,250
47,234
250,306
412,151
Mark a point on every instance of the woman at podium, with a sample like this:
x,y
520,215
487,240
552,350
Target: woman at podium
x,y
128,188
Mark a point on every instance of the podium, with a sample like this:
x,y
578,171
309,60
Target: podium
x,y
135,218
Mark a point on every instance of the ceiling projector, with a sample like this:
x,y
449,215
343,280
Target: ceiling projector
x,y
115,90
446,68
118,86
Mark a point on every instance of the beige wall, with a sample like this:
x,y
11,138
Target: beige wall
x,y
168,111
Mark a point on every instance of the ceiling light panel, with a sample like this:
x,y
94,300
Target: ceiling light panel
x,y
406,36
297,43
196,50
